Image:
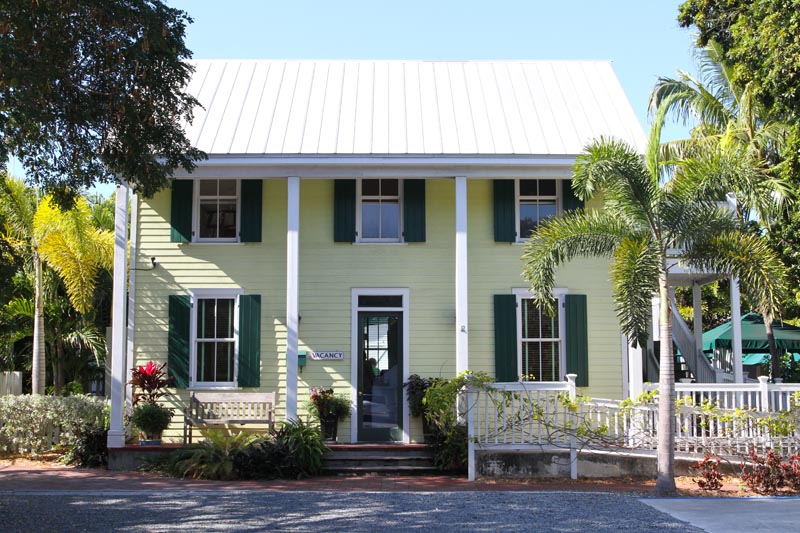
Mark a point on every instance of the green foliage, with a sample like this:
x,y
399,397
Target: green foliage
x,y
71,389
151,419
448,439
90,91
90,448
324,403
759,41
212,458
37,424
415,393
293,450
149,382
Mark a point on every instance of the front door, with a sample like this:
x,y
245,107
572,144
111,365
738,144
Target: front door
x,y
380,376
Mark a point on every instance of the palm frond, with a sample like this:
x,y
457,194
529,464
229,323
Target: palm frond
x,y
634,278
558,240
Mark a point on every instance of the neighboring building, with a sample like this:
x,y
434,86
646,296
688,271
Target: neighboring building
x,y
352,211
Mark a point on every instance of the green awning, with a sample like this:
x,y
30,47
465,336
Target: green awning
x,y
760,358
754,336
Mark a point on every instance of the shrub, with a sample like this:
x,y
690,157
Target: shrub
x,y
90,449
212,458
37,424
305,447
763,475
324,403
711,478
415,392
151,419
791,472
448,440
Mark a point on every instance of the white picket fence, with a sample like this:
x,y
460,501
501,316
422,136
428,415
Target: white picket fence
x,y
10,383
727,419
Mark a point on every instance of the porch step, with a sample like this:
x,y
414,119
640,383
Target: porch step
x,y
397,459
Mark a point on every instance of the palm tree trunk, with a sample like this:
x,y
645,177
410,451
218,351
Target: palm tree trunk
x,y
665,482
38,368
58,370
775,370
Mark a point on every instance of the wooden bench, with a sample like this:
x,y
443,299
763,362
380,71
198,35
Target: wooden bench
x,y
221,408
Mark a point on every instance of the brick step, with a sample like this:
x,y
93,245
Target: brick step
x,y
393,470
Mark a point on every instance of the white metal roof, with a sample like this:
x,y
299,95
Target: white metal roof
x,y
475,108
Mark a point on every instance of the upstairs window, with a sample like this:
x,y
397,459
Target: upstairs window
x,y
379,210
537,201
217,210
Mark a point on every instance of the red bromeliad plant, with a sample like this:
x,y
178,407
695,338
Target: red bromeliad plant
x,y
151,380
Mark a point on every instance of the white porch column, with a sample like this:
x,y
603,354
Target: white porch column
x,y
292,293
462,288
134,240
635,368
697,315
736,331
116,432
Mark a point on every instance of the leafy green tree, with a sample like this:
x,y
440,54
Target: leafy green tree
x,y
736,145
68,242
760,40
645,216
93,91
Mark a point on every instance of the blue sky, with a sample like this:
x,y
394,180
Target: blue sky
x,y
640,37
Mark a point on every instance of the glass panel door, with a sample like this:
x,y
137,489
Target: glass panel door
x,y
380,376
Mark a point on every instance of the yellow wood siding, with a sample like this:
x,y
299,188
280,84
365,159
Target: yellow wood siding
x,y
328,273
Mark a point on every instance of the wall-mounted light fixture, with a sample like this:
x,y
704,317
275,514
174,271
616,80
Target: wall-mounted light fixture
x,y
152,267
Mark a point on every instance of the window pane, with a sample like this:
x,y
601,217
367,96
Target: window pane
x,y
227,220
224,329
380,301
206,313
547,187
389,187
540,361
207,219
227,187
370,187
527,188
528,219
208,187
547,210
206,361
390,220
224,362
370,220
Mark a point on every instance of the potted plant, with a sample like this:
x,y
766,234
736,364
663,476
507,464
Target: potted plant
x,y
329,408
415,393
149,383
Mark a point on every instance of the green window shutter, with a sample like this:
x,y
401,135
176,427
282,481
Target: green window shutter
x,y
569,201
181,211
577,338
505,225
505,337
178,339
249,340
251,195
414,210
344,210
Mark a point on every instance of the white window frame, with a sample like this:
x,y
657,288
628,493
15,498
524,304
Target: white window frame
x,y
518,198
196,211
559,294
400,222
200,294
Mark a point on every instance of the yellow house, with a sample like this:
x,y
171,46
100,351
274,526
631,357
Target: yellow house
x,y
357,222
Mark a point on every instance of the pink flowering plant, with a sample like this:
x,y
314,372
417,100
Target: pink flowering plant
x,y
149,382
324,403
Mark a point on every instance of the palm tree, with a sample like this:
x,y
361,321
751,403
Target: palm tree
x,y
69,243
735,146
645,214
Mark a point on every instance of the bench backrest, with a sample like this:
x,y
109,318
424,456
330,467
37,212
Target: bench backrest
x,y
233,405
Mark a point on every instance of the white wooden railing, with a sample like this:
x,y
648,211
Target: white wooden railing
x,y
727,419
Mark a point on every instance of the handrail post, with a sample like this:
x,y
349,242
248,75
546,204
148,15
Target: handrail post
x,y
763,385
573,451
471,433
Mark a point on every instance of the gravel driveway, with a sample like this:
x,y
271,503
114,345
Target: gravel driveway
x,y
68,511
